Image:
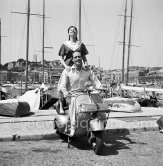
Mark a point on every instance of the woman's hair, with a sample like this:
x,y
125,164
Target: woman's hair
x,y
75,29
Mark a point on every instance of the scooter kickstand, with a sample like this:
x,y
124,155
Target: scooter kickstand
x,y
68,142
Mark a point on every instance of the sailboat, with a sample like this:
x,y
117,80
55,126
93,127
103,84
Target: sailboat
x,y
120,103
143,90
28,102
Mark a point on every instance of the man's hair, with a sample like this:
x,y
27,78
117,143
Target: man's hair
x,y
76,52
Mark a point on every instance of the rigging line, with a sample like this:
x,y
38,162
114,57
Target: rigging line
x,y
10,33
24,4
46,32
39,25
12,4
32,34
75,13
87,22
38,6
156,40
131,60
139,32
40,21
21,43
117,34
14,27
91,38
50,41
133,34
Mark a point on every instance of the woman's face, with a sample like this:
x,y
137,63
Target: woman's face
x,y
72,31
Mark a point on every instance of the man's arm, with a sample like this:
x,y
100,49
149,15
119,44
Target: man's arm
x,y
96,83
63,83
63,62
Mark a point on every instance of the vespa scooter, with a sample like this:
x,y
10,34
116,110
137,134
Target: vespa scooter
x,y
91,119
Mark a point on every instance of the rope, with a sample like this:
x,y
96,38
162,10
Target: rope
x,y
21,43
113,56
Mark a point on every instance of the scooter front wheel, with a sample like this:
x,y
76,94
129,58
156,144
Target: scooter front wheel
x,y
98,143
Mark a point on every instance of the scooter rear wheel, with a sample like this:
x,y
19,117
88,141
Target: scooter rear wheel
x,y
98,143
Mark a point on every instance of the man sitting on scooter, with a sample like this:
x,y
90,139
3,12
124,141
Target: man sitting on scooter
x,y
73,82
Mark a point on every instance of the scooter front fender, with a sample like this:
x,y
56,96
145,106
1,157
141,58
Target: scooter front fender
x,y
61,121
96,125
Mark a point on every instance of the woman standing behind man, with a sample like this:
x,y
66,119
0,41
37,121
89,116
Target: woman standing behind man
x,y
66,55
70,46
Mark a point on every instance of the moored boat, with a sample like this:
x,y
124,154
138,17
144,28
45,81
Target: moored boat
x,y
121,104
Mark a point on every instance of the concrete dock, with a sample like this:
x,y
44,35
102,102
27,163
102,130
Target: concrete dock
x,y
40,125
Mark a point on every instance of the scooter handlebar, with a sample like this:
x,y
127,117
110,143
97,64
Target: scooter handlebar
x,y
96,91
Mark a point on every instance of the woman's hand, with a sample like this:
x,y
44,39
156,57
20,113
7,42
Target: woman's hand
x,y
67,68
86,67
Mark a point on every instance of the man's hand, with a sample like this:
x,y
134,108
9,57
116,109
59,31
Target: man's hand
x,y
88,84
68,100
102,88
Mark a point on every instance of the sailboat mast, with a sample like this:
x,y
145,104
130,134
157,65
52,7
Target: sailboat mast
x,y
124,39
27,46
80,20
129,43
0,59
43,40
0,44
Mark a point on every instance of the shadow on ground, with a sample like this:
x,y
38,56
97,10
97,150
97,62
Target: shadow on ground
x,y
116,140
112,143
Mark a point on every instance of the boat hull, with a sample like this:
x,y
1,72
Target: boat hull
x,y
13,107
120,104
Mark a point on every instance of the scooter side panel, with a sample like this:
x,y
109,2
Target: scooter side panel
x,y
82,122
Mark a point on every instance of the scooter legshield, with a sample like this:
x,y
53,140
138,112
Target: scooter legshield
x,y
96,125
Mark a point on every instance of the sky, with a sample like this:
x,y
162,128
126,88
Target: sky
x,y
102,30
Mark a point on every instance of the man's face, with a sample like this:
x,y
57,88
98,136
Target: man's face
x,y
77,59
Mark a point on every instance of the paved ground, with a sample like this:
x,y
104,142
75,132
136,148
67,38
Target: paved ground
x,y
136,149
39,125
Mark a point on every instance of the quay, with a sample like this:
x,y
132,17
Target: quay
x,y
40,125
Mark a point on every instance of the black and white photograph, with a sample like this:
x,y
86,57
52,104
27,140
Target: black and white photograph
x,y
81,82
